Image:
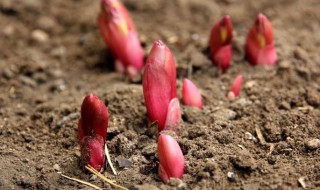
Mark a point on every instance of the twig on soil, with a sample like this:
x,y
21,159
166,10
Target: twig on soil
x,y
82,182
92,170
260,136
109,159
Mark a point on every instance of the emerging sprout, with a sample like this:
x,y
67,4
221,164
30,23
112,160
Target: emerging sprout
x,y
235,88
171,159
119,34
159,85
92,131
260,44
190,94
220,43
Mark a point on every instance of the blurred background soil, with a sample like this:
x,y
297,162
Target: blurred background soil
x,y
51,56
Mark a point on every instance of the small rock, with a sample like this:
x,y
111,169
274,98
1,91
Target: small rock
x,y
8,30
243,102
225,114
27,81
7,73
285,105
284,65
93,178
58,86
39,36
230,175
249,136
301,54
56,167
244,161
250,84
175,182
313,144
123,162
58,51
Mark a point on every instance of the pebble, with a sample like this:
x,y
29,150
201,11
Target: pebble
x,y
284,64
8,30
39,36
175,182
27,81
225,114
230,175
301,54
243,102
58,86
249,136
7,73
250,84
56,167
313,144
244,161
123,162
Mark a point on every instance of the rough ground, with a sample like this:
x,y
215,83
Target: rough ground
x,y
51,56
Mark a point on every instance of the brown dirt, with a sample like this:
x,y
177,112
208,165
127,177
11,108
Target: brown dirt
x,y
45,78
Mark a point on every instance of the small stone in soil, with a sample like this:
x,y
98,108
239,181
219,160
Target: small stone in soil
x,y
313,144
175,182
230,175
244,161
27,81
39,36
224,114
56,167
123,162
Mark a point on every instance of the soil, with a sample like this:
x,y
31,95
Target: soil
x,y
52,55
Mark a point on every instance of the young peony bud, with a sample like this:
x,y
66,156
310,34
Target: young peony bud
x,y
235,88
92,151
173,115
171,159
159,83
94,118
92,131
190,94
119,34
260,44
220,43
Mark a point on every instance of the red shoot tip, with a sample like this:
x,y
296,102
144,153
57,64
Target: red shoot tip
x,y
260,43
159,83
171,159
220,43
94,117
235,88
190,94
119,34
92,130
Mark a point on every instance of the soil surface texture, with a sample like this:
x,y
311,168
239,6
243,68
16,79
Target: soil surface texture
x,y
52,55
